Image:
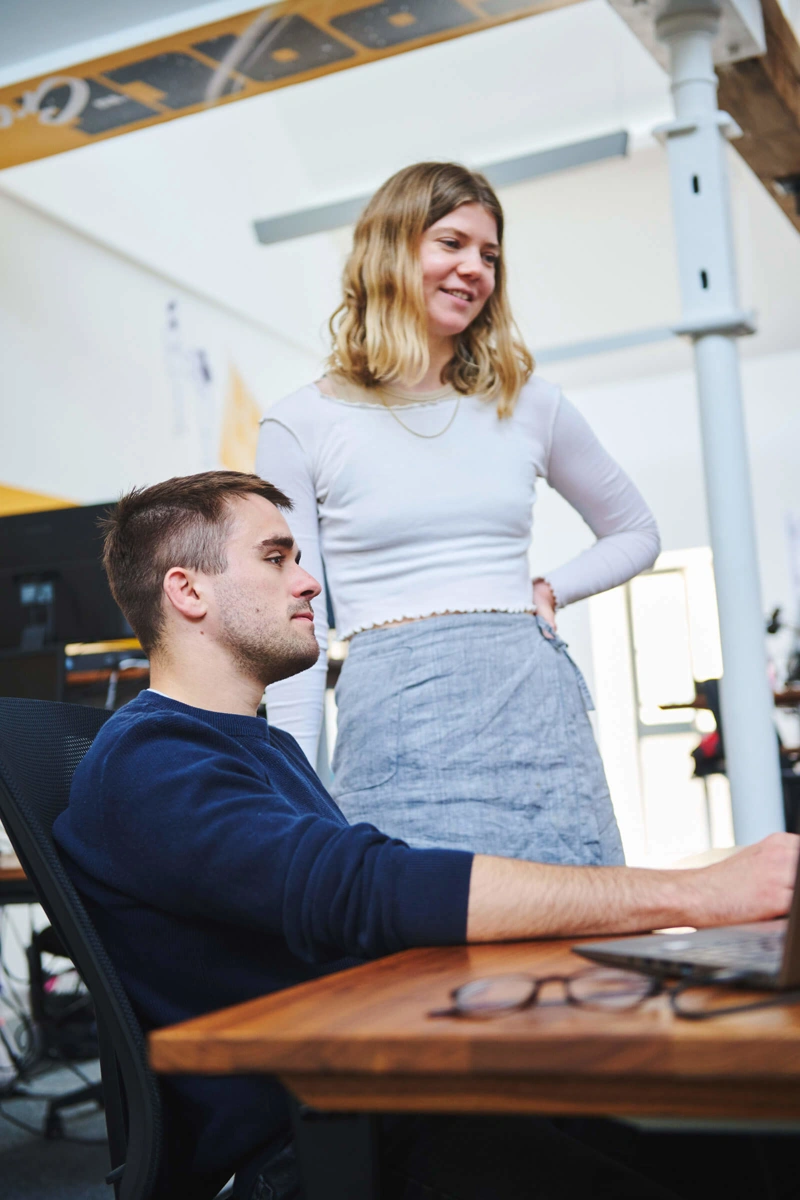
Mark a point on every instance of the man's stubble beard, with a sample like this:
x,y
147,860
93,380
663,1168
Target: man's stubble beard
x,y
260,651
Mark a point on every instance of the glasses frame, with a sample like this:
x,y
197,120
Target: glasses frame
x,y
678,990
656,986
537,982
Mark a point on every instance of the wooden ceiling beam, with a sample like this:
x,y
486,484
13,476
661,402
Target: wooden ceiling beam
x,y
763,97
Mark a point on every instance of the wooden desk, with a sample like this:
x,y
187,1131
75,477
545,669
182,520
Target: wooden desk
x,y
786,698
360,1041
10,868
15,887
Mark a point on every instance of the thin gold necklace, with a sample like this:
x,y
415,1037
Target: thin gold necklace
x,y
427,436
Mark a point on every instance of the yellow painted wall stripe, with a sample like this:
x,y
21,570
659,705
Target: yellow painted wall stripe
x,y
17,500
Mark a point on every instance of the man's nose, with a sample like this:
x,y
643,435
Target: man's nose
x,y
306,585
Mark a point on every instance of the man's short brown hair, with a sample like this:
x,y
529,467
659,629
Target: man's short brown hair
x,y
183,522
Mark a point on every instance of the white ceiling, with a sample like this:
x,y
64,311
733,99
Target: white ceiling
x,y
182,196
73,31
592,248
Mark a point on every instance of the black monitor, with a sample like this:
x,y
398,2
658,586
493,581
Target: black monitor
x,y
33,674
53,588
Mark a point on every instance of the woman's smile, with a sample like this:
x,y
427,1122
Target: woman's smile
x,y
458,255
459,294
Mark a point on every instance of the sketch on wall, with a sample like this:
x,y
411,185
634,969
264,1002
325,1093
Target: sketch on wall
x,y
140,381
223,426
192,384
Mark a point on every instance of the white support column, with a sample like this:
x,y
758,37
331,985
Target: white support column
x,y
712,317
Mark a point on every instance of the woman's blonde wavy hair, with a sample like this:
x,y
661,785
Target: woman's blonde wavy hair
x,y
379,330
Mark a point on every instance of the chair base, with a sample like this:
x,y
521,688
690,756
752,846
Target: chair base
x,y
53,1123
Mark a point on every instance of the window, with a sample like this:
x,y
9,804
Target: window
x,y
651,640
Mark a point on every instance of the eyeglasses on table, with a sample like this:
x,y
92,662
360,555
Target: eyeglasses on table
x,y
595,987
599,988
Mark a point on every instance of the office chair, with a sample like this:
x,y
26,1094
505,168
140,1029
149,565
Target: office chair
x,y
66,1025
41,744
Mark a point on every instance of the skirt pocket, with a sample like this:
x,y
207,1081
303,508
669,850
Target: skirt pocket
x,y
368,697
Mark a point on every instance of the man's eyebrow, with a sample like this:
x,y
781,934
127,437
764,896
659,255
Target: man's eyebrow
x,y
278,543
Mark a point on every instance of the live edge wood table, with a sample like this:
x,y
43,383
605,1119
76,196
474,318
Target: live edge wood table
x,y
361,1042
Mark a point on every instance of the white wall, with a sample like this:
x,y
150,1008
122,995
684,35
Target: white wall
x,y
592,254
651,426
89,377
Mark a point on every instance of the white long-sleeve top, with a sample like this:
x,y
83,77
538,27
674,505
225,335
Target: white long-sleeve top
x,y
411,526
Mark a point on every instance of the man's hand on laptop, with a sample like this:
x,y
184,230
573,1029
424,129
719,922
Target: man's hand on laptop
x,y
755,884
510,899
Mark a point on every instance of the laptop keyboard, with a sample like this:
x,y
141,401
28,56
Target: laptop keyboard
x,y
763,953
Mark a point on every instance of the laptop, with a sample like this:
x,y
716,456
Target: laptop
x,y
764,954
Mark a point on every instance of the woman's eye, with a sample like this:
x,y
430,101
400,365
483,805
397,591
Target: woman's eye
x,y
491,259
451,243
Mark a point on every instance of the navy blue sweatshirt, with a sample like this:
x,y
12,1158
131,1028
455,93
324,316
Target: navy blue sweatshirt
x,y
216,868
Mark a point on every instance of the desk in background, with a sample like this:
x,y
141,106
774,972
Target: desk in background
x,y
15,887
100,674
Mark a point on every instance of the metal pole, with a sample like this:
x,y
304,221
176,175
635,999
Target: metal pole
x,y
713,318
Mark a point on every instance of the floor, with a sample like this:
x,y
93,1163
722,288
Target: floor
x,y
33,1167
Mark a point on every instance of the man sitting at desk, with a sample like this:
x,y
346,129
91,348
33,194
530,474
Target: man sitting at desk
x,y
216,868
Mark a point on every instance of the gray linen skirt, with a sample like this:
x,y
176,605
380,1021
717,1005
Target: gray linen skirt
x,y
471,732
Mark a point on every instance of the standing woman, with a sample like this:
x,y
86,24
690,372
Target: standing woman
x,y
412,464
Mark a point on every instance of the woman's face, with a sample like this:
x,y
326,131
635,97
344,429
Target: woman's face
x,y
458,256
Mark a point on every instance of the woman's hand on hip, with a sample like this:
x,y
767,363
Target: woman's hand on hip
x,y
545,602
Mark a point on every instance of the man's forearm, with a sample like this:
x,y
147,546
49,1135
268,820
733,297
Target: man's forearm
x,y
511,899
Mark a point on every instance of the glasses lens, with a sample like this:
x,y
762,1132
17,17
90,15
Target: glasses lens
x,y
610,989
483,997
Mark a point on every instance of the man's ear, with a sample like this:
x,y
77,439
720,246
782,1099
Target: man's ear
x,y
183,591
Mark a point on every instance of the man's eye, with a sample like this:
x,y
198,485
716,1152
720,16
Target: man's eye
x,y
275,558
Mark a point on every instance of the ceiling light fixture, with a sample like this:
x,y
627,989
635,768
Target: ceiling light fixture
x,y
306,221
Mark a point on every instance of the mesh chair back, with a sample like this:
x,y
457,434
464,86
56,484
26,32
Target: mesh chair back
x,y
41,744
